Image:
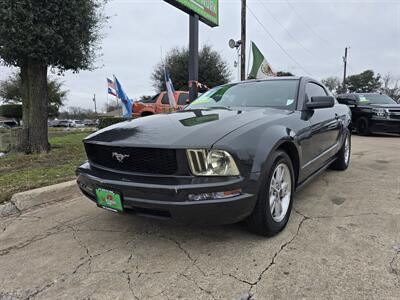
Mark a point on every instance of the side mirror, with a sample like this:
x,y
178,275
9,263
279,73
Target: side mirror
x,y
321,102
188,101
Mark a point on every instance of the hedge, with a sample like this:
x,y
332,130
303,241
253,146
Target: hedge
x,y
108,121
12,111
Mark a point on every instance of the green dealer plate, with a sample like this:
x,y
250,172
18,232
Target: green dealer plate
x,y
109,200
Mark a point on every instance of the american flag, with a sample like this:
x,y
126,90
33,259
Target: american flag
x,y
111,87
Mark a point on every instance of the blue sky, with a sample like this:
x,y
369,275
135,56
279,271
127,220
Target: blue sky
x,y
314,34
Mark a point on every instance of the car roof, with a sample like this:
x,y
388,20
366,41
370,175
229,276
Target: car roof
x,y
347,94
272,79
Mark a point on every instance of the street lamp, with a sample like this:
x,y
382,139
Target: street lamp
x,y
236,45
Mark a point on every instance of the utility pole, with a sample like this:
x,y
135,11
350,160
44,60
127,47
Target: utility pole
x,y
243,45
345,68
193,55
95,104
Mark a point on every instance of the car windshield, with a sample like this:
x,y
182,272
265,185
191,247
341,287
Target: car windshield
x,y
150,100
375,99
271,93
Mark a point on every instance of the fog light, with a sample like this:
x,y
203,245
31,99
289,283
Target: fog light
x,y
214,196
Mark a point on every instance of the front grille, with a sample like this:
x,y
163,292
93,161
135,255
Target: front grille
x,y
135,160
394,114
198,161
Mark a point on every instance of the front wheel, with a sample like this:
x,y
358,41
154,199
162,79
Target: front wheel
x,y
275,197
343,157
362,126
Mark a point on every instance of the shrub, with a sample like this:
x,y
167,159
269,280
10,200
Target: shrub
x,y
108,121
12,111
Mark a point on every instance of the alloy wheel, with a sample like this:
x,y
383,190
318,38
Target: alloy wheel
x,y
280,192
347,150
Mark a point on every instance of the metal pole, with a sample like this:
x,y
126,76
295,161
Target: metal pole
x,y
345,69
193,55
95,104
243,45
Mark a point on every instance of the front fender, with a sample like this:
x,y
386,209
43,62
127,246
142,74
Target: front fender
x,y
252,145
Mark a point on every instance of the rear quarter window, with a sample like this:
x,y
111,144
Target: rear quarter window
x,y
182,100
165,99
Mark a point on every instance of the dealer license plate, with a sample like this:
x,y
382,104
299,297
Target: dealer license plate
x,y
109,200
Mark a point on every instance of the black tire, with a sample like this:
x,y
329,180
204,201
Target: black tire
x,y
261,221
341,163
362,126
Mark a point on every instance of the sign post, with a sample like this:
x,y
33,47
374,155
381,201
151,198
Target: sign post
x,y
206,11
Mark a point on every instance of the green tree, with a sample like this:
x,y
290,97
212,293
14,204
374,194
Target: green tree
x,y
365,82
11,92
38,34
213,70
391,87
333,84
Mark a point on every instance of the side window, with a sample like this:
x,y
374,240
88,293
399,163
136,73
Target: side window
x,y
165,99
314,90
183,98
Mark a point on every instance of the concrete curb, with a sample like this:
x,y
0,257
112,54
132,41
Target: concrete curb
x,y
28,199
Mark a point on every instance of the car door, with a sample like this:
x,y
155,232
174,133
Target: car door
x,y
183,100
163,104
325,128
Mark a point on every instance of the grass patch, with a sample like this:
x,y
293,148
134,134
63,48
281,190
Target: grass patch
x,y
19,172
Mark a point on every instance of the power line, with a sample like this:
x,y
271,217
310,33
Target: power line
x,y
286,30
276,42
308,26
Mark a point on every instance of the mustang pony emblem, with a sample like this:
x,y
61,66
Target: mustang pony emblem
x,y
120,157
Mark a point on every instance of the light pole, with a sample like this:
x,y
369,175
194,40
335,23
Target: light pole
x,y
243,43
237,45
95,104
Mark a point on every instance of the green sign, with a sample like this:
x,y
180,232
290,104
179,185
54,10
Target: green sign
x,y
207,10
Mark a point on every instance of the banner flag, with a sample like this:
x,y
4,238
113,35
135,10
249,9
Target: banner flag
x,y
261,68
126,102
170,89
111,87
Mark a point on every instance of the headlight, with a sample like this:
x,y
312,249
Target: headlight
x,y
211,163
380,112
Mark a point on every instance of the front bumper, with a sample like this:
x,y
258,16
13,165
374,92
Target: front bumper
x,y
167,197
385,125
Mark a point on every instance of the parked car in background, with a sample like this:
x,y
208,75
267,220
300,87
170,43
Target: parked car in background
x,y
238,152
91,123
53,123
372,112
9,123
63,123
159,104
77,124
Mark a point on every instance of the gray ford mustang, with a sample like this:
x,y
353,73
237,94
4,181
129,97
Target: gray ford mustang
x,y
238,152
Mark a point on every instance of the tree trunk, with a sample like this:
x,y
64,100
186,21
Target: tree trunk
x,y
34,110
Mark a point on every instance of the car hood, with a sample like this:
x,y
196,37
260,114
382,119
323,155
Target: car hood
x,y
186,129
388,106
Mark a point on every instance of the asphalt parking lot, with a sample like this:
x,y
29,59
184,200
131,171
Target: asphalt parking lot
x,y
343,241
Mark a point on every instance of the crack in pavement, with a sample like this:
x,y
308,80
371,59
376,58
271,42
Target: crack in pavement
x,y
30,241
392,269
194,261
198,285
344,216
250,291
130,286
